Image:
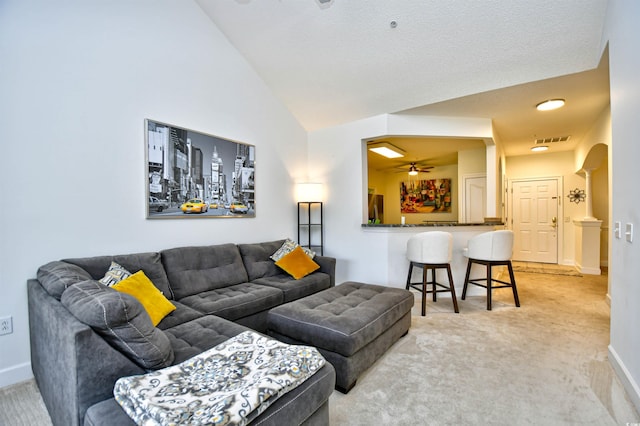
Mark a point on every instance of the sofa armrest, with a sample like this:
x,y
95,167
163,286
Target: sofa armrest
x,y
73,366
328,266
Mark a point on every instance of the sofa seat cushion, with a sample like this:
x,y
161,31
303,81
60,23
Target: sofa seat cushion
x,y
150,263
257,260
193,270
235,301
193,337
182,314
295,289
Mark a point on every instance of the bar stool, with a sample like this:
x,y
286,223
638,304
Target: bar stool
x,y
431,251
490,249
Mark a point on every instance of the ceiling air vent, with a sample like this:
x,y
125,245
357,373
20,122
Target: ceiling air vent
x,y
551,140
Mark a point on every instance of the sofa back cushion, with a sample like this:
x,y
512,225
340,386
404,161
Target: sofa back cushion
x,y
56,276
122,321
257,261
150,263
193,270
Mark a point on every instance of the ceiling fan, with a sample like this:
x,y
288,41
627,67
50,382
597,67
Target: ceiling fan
x,y
414,168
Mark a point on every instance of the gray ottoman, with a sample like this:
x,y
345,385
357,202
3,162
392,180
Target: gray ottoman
x,y
352,325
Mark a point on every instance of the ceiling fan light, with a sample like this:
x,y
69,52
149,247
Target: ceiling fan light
x,y
550,104
387,150
413,172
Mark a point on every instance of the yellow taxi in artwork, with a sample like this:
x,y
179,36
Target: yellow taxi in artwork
x,y
194,205
238,207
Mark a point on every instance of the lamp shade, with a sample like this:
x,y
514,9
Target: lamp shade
x,y
306,192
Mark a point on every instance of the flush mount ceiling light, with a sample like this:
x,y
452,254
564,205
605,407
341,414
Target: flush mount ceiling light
x,y
550,104
387,150
539,148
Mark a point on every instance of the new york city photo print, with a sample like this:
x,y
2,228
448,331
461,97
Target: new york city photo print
x,y
192,174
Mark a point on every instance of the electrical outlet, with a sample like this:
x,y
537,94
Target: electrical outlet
x,y
6,325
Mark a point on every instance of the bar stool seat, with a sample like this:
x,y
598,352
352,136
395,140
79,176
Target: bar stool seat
x,y
491,249
430,251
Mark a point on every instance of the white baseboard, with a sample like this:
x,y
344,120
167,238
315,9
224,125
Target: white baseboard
x,y
588,270
15,374
630,385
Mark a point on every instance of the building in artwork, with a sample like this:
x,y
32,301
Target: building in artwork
x,y
243,175
218,181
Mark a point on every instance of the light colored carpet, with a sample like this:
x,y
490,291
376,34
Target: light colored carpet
x,y
21,405
544,363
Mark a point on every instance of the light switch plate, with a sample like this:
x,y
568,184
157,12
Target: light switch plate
x,y
617,229
629,232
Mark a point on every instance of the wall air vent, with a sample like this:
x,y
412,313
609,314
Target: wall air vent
x,y
552,140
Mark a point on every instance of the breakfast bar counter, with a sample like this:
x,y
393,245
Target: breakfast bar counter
x,y
430,224
397,235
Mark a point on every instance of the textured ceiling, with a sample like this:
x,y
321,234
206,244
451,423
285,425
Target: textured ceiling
x,y
341,61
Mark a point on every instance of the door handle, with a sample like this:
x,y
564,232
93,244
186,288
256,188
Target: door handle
x,y
554,222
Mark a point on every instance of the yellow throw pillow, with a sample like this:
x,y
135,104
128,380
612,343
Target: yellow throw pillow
x,y
297,263
152,299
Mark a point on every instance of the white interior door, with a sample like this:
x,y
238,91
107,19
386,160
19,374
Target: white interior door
x,y
475,199
535,220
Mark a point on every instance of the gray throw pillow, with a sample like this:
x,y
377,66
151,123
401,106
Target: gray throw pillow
x,y
56,276
122,321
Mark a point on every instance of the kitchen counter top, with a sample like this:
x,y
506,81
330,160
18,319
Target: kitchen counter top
x,y
387,244
428,224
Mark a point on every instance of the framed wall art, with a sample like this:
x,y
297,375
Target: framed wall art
x,y
190,174
425,196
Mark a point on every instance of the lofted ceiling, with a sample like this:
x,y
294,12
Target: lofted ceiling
x,y
337,61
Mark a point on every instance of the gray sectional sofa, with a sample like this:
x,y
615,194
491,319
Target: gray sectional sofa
x,y
219,291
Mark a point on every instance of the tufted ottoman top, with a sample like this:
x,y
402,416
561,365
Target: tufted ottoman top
x,y
341,319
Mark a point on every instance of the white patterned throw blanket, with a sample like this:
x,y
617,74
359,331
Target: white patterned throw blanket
x,y
229,384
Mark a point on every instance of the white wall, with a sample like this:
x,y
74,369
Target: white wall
x,y
471,164
77,81
623,34
599,133
337,158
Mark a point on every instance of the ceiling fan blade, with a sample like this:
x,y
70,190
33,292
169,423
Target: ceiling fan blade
x,y
407,167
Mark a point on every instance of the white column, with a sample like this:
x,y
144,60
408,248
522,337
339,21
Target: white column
x,y
588,246
589,202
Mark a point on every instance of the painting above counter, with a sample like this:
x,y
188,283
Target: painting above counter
x,y
425,196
